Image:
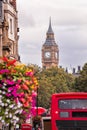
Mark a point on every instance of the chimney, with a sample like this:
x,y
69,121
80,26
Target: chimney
x,y
66,70
73,70
79,69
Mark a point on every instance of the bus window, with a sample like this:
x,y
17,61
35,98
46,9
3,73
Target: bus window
x,y
73,104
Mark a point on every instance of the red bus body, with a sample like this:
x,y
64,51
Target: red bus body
x,y
69,111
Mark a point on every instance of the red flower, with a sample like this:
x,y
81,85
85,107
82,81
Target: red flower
x,y
25,87
26,104
11,62
5,59
22,100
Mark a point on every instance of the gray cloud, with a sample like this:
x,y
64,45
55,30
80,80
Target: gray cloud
x,y
73,47
26,20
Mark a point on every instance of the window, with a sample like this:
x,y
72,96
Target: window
x,y
11,26
73,104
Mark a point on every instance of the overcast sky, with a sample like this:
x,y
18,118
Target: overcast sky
x,y
69,23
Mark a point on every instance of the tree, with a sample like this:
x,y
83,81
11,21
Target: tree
x,y
81,81
52,80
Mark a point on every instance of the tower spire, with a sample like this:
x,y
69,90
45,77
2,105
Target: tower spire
x,y
50,27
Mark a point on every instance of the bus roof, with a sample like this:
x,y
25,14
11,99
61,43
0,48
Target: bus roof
x,y
69,94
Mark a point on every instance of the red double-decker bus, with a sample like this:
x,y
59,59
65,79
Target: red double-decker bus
x,y
69,111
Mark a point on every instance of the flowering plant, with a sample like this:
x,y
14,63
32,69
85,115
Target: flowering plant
x,y
17,91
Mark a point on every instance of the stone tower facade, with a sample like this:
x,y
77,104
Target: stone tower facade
x,y
50,50
8,29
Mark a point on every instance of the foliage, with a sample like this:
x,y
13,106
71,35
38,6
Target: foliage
x,y
18,87
81,81
52,80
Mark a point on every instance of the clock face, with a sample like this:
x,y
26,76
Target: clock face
x,y
47,54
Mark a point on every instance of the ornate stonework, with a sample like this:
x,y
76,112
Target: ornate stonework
x,y
50,51
9,29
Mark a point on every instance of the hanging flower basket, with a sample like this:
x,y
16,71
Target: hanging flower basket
x,y
18,87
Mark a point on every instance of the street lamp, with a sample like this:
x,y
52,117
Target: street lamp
x,y
37,102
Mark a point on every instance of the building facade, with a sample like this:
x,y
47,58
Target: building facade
x,y
50,50
9,29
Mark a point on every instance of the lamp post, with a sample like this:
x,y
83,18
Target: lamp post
x,y
37,103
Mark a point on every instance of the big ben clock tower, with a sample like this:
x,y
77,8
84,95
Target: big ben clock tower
x,y
50,51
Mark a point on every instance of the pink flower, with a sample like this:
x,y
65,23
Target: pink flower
x,y
19,81
17,86
10,88
8,94
10,82
24,112
4,71
34,94
14,93
21,94
16,100
30,73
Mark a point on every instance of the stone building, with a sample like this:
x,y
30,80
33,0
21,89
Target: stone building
x,y
50,50
9,29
